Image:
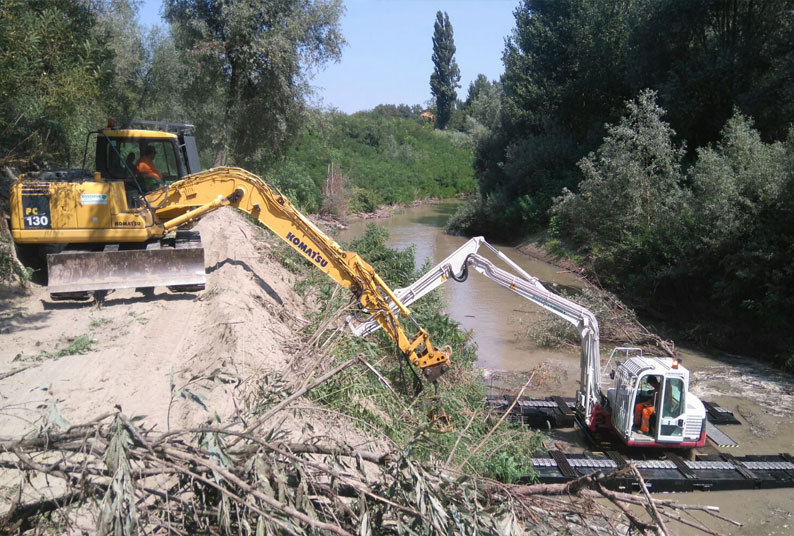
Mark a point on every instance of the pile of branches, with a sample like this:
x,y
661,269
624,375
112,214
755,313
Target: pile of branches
x,y
618,324
113,476
216,480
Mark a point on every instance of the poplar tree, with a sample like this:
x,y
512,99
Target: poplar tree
x,y
446,75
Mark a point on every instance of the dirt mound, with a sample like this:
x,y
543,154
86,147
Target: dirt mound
x,y
175,359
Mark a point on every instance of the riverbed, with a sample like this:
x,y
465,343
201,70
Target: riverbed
x,y
760,397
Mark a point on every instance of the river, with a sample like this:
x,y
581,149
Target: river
x,y
498,318
760,397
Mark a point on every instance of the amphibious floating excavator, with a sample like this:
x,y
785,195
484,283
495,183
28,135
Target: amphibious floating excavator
x,y
670,417
649,405
122,226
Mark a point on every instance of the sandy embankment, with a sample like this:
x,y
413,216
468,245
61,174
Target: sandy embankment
x,y
219,344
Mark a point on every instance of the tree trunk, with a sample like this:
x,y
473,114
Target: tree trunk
x,y
222,156
7,249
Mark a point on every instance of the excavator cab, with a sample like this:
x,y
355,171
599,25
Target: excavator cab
x,y
650,405
119,150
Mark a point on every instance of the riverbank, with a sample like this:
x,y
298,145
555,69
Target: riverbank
x,y
337,223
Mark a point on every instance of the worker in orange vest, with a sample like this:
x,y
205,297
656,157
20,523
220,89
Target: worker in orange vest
x,y
146,170
644,410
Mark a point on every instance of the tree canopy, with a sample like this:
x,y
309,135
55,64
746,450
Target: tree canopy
x,y
54,64
250,63
659,135
571,64
446,74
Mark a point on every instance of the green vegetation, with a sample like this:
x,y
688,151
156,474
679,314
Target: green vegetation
x,y
250,63
571,64
99,322
677,196
385,157
716,237
400,416
446,74
78,346
54,62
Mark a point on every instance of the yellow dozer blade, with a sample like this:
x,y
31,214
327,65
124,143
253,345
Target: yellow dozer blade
x,y
180,268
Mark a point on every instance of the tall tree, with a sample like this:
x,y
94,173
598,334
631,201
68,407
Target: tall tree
x,y
706,56
252,61
564,64
148,70
479,84
446,75
630,185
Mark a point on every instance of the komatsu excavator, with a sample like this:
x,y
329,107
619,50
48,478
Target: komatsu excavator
x,y
649,404
119,235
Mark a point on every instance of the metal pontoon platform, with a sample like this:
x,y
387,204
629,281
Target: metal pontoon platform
x,y
718,472
559,412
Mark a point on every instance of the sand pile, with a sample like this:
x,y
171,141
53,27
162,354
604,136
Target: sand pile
x,y
174,359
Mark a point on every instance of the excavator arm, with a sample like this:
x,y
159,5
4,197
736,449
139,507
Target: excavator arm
x,y
456,267
196,195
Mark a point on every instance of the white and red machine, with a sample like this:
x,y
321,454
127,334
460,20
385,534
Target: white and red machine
x,y
677,418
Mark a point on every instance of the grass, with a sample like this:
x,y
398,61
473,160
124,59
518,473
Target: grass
x,y
98,322
139,318
78,345
384,159
406,417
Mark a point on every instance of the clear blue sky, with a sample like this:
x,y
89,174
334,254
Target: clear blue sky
x,y
388,57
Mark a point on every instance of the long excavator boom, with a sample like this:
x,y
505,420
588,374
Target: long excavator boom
x,y
187,200
456,266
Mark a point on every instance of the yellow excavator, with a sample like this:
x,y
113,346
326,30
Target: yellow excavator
x,y
113,231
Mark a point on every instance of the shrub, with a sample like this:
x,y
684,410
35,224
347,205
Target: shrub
x,y
297,185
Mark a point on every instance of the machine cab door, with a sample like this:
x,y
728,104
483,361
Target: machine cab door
x,y
671,417
622,402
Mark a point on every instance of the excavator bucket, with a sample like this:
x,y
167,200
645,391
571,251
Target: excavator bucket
x,y
181,268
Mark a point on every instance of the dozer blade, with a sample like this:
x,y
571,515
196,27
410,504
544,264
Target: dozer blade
x,y
75,272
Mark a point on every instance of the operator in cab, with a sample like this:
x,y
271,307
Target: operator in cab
x,y
146,171
645,408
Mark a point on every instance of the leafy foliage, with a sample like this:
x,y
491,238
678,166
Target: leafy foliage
x,y
254,58
118,512
562,81
683,217
386,159
79,345
707,246
53,67
707,57
741,241
630,195
446,74
570,64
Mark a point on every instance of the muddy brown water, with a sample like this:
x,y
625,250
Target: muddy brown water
x,y
498,317
761,397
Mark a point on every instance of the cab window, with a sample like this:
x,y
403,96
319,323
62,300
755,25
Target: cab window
x,y
117,159
164,160
673,398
